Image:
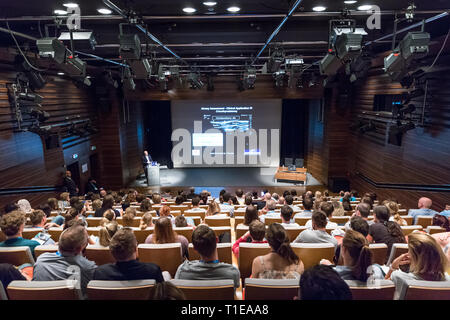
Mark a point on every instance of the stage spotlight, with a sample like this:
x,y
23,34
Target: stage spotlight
x,y
29,98
279,78
52,48
348,46
84,39
35,80
141,68
162,78
195,81
74,67
330,65
276,60
130,47
367,127
250,78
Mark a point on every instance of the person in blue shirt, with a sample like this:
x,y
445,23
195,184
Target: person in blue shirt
x,y
12,225
424,206
446,212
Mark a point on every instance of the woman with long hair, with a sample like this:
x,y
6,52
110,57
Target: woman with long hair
x,y
164,234
426,261
338,209
146,206
146,221
281,262
106,232
393,210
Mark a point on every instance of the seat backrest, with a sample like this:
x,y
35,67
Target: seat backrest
x,y
238,221
120,290
427,290
241,231
380,290
409,219
16,255
379,253
141,235
3,295
44,290
340,219
247,253
167,256
270,220
435,229
197,220
218,222
424,221
185,231
397,250
45,248
312,253
30,233
181,208
206,289
55,233
302,220
294,232
220,230
93,221
223,252
93,231
189,213
408,229
176,213
100,255
271,289
135,224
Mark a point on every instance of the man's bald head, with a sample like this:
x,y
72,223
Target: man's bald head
x,y
425,203
267,196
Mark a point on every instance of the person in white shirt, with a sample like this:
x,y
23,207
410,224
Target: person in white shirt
x,y
286,218
363,211
269,211
240,196
196,205
327,208
227,204
307,205
289,201
318,233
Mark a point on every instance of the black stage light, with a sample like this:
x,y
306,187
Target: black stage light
x,y
279,78
83,39
130,47
35,79
250,78
276,60
330,65
52,48
74,67
348,46
141,68
195,81
414,45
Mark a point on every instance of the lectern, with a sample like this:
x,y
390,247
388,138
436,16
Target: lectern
x,y
153,175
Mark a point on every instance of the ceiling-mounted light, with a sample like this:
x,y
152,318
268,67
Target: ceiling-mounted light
x,y
319,8
350,2
210,3
233,9
104,11
365,7
70,5
189,10
60,12
61,73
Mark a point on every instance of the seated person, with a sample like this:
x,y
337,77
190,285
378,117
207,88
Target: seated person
x,y
164,233
106,232
424,206
61,265
107,204
128,217
290,202
208,267
286,217
165,291
323,283
196,205
307,205
214,210
357,259
9,273
256,233
318,233
146,221
362,210
227,204
269,211
180,222
282,262
251,214
39,220
446,212
123,246
357,224
12,225
425,259
327,208
395,215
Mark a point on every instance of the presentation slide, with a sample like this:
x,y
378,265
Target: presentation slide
x,y
226,133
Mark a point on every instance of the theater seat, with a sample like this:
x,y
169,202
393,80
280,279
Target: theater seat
x,y
135,224
294,232
381,290
218,222
43,249
167,256
424,221
206,289
397,250
221,230
240,231
409,219
100,255
302,220
44,290
30,233
435,229
185,231
270,220
189,213
426,290
93,221
16,255
223,251
247,253
120,290
340,220
312,253
409,229
238,221
379,252
55,233
271,289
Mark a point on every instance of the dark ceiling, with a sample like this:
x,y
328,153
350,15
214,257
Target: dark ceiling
x,y
216,39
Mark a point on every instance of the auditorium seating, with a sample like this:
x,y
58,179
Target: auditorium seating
x,y
340,220
30,233
44,248
238,221
206,289
434,229
223,252
100,255
44,290
241,230
408,229
379,290
397,250
166,256
94,221
270,220
379,252
426,290
141,235
248,252
301,220
424,221
271,289
120,290
136,221
312,253
189,213
55,233
185,231
16,255
221,230
294,232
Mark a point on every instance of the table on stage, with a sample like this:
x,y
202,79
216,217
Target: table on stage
x,y
283,173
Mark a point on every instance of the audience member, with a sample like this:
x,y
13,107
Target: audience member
x,y
338,210
146,221
424,206
446,212
269,211
180,221
362,210
106,232
123,246
426,261
128,217
240,196
286,217
318,233
227,205
282,262
38,219
393,211
10,207
9,273
108,203
164,291
208,267
164,233
441,221
256,233
290,202
323,283
307,207
24,206
327,208
12,225
251,214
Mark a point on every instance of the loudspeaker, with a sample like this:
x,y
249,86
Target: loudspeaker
x,y
338,184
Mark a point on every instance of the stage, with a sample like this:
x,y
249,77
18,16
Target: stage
x,y
222,177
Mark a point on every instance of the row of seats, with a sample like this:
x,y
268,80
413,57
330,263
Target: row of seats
x,y
255,289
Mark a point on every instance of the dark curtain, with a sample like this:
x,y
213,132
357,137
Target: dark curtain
x,y
158,131
293,127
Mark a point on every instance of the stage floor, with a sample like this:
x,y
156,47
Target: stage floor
x,y
223,177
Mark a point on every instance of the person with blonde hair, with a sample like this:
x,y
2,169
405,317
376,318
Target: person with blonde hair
x,y
426,261
213,208
106,232
128,217
64,199
164,234
146,221
338,209
393,209
24,205
108,216
96,204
